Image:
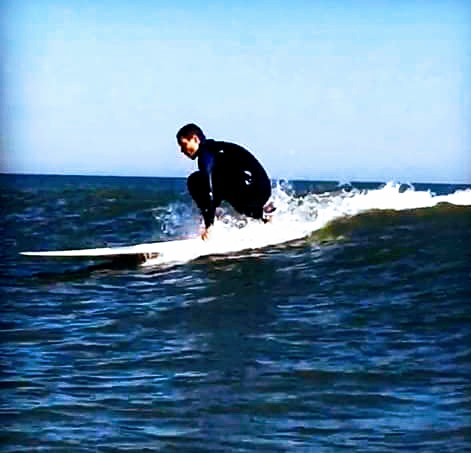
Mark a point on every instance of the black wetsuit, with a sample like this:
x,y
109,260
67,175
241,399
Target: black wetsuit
x,y
228,172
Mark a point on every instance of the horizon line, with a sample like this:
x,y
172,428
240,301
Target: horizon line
x,y
298,179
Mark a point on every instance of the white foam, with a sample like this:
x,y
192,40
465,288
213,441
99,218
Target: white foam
x,y
298,216
314,211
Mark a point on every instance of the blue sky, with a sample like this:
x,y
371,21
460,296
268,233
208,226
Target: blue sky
x,y
344,90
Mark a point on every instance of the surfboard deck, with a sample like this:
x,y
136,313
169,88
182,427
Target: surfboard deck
x,y
141,252
179,250
222,241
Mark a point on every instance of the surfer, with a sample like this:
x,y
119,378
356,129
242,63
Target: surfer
x,y
226,172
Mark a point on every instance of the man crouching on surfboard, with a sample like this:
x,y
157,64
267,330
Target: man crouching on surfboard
x,y
226,172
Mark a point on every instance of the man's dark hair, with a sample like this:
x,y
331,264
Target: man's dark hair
x,y
190,129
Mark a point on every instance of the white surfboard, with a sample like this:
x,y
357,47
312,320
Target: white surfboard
x,y
222,241
157,252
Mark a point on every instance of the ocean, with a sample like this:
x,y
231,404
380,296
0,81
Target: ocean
x,y
354,335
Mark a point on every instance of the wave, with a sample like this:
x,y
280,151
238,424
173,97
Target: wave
x,y
378,220
298,216
328,206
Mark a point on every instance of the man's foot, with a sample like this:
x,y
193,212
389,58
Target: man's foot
x,y
219,213
268,210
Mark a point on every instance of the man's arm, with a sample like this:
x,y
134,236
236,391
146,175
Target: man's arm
x,y
206,165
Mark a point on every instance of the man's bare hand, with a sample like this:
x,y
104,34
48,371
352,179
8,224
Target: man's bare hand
x,y
205,234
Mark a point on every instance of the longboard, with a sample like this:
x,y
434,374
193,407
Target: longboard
x,y
155,251
222,242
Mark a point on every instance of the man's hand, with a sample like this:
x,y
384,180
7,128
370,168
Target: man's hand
x,y
205,234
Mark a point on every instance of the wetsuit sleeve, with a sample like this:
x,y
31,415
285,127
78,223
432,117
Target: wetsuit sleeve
x,y
206,165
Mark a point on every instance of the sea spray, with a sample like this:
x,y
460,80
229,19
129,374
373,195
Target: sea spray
x,y
296,216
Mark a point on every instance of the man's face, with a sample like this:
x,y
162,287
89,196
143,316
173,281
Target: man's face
x,y
189,146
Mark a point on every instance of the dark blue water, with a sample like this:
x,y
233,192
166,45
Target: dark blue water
x,y
355,339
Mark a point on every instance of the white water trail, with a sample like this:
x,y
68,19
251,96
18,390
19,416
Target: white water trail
x,y
298,216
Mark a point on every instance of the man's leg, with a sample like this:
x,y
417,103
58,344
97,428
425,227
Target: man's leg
x,y
249,199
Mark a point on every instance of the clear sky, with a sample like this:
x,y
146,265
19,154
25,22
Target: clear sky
x,y
344,90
